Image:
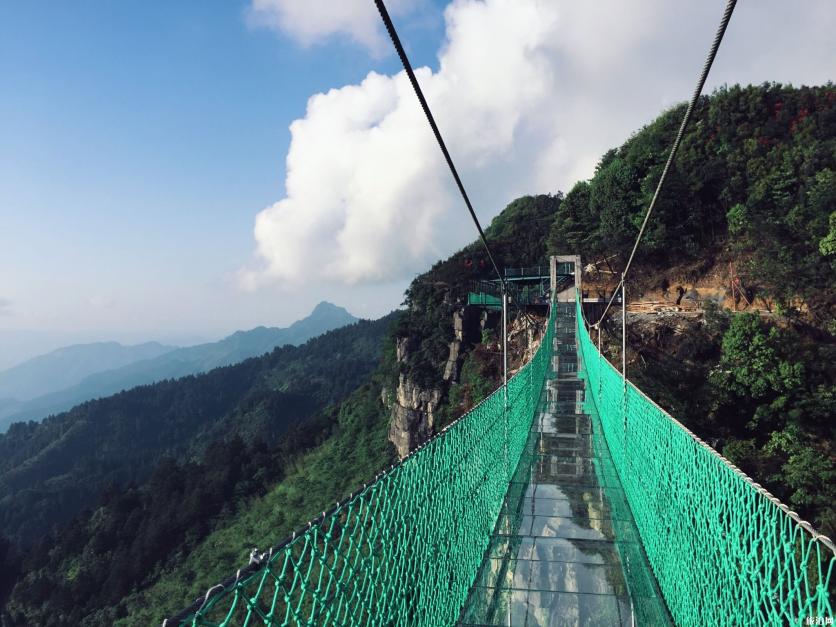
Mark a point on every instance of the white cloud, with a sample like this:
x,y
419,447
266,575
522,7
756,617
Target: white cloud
x,y
101,301
528,95
5,307
311,21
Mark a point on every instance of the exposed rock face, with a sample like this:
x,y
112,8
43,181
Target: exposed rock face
x,y
412,415
414,409
451,368
523,341
458,325
530,344
400,348
667,331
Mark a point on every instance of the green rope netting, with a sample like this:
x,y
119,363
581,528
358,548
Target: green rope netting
x,y
406,548
724,551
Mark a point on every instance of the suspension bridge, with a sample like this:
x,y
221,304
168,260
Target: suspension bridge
x,y
567,497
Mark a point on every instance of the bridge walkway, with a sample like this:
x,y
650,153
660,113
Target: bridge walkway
x,y
565,550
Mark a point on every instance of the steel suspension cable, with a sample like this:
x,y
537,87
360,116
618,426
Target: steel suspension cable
x,y
393,35
718,37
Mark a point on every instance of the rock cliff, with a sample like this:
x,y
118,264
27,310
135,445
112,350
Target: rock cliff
x,y
414,409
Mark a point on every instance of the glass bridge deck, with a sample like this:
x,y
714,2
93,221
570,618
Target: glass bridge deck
x,y
565,550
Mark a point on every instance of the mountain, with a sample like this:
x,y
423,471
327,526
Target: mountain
x,y
68,366
176,363
139,553
50,470
747,218
751,185
769,149
232,349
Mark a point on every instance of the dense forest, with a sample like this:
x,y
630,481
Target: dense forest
x,y
233,468
49,470
754,185
174,363
755,178
95,500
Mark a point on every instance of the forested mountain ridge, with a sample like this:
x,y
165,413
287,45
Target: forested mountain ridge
x,y
180,362
244,485
70,365
51,470
754,179
352,443
751,198
24,386
117,565
141,556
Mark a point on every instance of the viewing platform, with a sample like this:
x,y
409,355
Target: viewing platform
x,y
527,286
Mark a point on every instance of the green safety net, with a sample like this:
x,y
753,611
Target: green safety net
x,y
403,550
724,550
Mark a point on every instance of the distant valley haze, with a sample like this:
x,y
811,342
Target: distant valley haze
x,y
56,381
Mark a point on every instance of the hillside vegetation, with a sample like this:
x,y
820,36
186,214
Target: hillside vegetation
x,y
49,471
755,178
169,364
228,439
145,554
753,185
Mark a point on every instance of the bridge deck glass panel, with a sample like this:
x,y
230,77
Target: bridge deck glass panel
x,y
565,550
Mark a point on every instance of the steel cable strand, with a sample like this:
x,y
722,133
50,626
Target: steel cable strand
x,y
393,35
712,53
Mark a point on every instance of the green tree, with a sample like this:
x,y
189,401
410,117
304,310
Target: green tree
x,y
572,230
809,473
613,196
756,360
827,245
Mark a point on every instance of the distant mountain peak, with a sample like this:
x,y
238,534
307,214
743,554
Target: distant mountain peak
x,y
328,306
154,364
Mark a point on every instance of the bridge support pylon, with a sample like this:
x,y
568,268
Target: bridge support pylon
x,y
559,266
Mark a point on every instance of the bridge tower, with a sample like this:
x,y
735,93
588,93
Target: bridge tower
x,y
565,273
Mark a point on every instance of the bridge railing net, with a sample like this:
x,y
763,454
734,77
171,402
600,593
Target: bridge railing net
x,y
724,551
404,550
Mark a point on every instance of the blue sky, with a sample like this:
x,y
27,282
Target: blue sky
x,y
140,141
